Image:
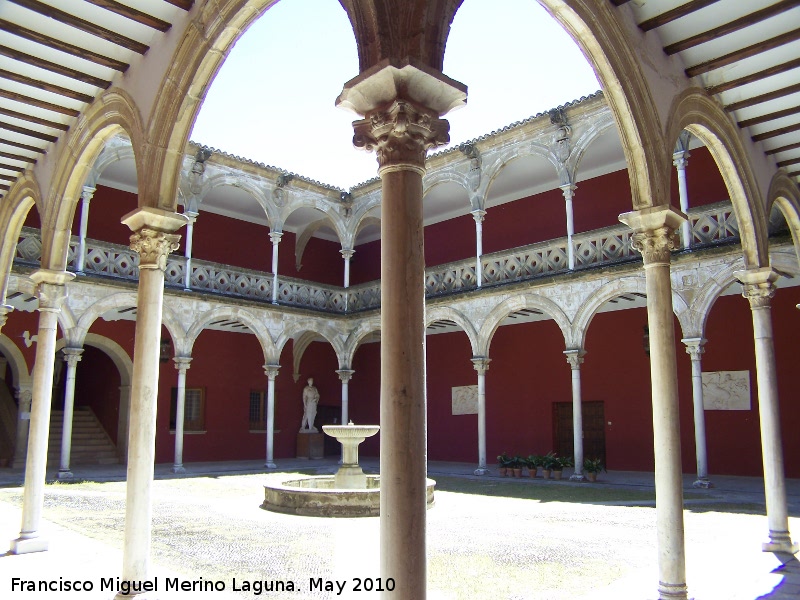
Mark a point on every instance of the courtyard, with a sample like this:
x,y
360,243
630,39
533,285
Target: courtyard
x,y
488,537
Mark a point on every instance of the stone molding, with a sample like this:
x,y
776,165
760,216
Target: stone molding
x,y
481,364
271,371
72,356
182,363
694,347
345,375
153,248
654,232
575,358
758,286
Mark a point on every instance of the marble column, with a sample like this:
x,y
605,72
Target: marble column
x,y
71,356
402,105
481,365
153,240
182,364
344,376
694,348
759,287
24,397
275,238
51,290
575,359
272,373
569,191
680,160
80,255
653,236
479,216
347,254
187,273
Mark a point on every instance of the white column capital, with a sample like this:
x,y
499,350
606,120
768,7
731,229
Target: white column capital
x,y
153,247
87,193
345,375
654,232
51,288
758,285
680,159
182,363
347,253
72,356
574,357
271,371
694,347
478,215
4,310
275,237
481,364
568,190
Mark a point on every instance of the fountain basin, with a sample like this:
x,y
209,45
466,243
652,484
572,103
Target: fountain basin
x,y
317,496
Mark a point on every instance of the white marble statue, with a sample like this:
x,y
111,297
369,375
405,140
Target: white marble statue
x,y
310,401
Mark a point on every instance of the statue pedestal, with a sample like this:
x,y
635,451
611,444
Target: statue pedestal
x,y
310,445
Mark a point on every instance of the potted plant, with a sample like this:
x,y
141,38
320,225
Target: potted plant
x,y
516,465
592,466
504,460
549,463
561,463
533,462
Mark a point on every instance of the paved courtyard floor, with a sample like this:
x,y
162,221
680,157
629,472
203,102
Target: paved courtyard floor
x,y
488,538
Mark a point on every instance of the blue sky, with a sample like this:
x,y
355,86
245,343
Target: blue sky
x,y
273,99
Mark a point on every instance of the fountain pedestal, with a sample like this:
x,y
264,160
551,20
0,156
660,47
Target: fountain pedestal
x,y
350,476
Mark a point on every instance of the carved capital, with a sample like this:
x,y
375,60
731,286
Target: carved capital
x,y
680,160
400,133
51,296
153,247
694,347
72,356
182,363
275,237
481,364
479,215
654,245
347,253
654,232
345,375
24,397
87,194
271,371
4,310
569,191
575,358
758,286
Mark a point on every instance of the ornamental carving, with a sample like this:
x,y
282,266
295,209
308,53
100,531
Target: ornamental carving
x,y
51,296
758,294
154,247
401,134
654,245
575,358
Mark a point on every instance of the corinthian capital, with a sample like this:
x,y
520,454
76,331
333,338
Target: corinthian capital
x,y
654,232
654,245
758,286
401,133
153,247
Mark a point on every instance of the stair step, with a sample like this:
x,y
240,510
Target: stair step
x,y
90,443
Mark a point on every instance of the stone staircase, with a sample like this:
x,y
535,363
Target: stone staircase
x,y
90,442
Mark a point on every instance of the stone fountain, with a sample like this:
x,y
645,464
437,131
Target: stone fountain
x,y
349,493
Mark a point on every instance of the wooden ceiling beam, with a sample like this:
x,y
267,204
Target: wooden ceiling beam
x,y
133,14
770,117
776,132
54,67
769,72
22,98
782,149
187,4
5,177
83,25
794,174
5,188
791,161
43,85
22,146
31,119
61,46
16,168
763,97
28,132
18,157
749,51
674,14
733,26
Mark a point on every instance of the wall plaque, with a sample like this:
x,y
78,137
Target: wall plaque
x,y
465,400
726,390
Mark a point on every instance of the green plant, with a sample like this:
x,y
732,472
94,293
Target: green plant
x,y
550,461
593,465
565,462
518,462
534,461
504,460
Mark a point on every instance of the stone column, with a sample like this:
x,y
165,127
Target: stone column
x,y
24,396
694,348
479,215
680,160
182,364
653,236
80,256
4,310
759,287
71,356
569,192
402,105
272,373
481,365
51,290
187,274
153,241
347,254
275,238
575,359
344,376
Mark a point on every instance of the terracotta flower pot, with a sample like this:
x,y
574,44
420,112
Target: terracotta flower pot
x,y
546,473
503,471
557,474
517,472
591,477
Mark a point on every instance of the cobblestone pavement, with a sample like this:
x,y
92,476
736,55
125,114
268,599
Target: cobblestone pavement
x,y
484,541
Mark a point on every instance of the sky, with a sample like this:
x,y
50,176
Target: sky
x,y
273,99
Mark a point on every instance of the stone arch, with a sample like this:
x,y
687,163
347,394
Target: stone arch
x,y
331,213
694,111
582,143
357,335
241,315
17,362
496,164
219,180
23,195
785,195
513,304
110,113
115,150
439,176
295,329
439,313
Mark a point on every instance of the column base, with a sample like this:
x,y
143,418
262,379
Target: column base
x,y
481,471
780,542
23,545
580,477
270,465
703,484
178,469
672,591
64,474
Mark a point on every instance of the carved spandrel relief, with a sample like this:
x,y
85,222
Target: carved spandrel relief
x,y
726,390
465,400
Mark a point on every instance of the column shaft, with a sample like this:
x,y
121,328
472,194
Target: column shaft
x,y
182,364
575,359
683,192
187,275
24,396
275,237
478,215
569,191
71,357
694,348
272,373
86,198
481,365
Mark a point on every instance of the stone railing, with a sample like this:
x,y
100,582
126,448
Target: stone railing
x,y
711,225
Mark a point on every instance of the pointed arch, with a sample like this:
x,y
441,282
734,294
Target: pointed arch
x,y
16,360
22,196
357,335
785,195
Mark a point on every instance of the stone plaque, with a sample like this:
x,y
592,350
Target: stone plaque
x,y
726,390
465,400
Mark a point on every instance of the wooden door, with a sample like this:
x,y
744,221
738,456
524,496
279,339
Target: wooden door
x,y
594,431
